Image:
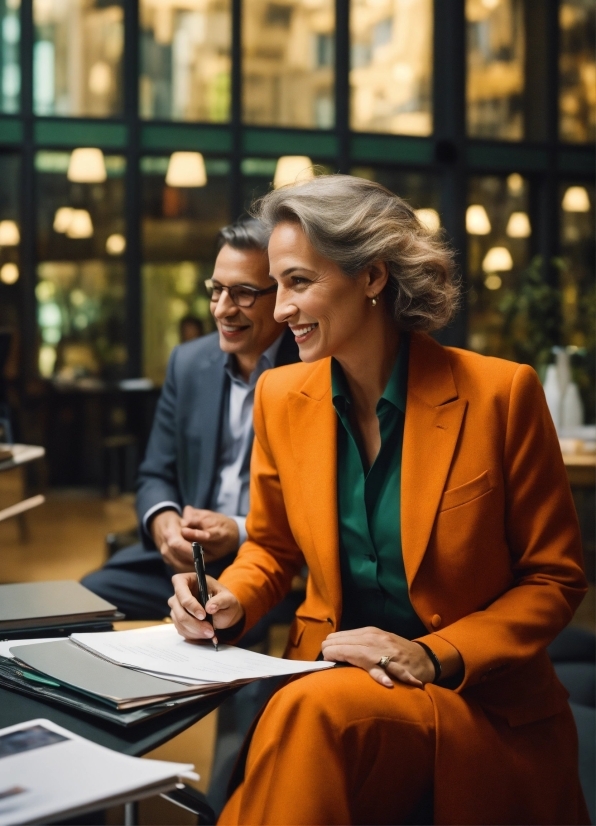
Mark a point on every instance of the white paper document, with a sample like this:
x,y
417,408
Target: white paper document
x,y
161,650
48,772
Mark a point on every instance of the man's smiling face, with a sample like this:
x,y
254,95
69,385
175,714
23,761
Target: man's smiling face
x,y
244,331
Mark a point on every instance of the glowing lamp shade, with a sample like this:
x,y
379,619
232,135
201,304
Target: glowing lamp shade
x,y
497,259
291,169
87,166
80,224
186,169
62,219
576,199
115,244
518,225
515,183
477,222
429,218
9,234
9,273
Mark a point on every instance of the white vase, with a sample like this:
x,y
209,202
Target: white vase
x,y
572,409
553,394
563,370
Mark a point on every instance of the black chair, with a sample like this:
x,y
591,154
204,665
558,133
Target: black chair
x,y
573,654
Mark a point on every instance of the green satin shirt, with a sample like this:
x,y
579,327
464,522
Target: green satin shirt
x,y
374,586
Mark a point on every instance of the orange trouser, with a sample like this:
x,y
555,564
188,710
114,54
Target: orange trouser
x,y
336,747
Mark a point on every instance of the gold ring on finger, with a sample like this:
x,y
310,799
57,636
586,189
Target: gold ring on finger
x,y
384,662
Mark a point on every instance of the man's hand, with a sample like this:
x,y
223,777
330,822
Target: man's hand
x,y
189,615
217,533
166,532
364,647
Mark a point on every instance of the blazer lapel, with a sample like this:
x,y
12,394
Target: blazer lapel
x,y
313,435
434,416
203,427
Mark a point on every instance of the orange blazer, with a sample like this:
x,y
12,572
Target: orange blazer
x,y
492,556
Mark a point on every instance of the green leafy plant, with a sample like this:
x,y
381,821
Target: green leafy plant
x,y
532,320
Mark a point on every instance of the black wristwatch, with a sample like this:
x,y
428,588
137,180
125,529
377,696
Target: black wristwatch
x,y
433,658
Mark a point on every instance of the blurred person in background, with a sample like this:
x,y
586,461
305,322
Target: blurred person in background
x,y
190,327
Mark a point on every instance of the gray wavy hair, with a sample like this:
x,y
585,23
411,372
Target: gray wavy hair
x,y
354,223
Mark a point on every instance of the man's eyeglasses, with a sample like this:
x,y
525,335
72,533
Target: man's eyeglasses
x,y
240,295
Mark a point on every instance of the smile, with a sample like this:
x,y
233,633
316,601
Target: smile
x,y
232,330
302,333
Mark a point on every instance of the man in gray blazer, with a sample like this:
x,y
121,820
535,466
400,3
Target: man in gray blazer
x,y
193,483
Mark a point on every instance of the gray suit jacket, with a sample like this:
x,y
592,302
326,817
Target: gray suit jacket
x,y
181,458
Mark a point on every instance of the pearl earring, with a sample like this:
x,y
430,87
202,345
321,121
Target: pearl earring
x,y
373,301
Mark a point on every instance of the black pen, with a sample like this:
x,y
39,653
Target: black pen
x,y
203,595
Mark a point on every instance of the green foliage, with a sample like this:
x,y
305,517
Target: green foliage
x,y
532,315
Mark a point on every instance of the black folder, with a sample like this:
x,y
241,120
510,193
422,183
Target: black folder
x,y
11,677
46,605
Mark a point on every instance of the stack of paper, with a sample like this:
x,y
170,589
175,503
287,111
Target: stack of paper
x,y
141,669
160,650
47,772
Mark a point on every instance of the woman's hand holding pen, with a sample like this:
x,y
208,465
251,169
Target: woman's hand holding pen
x,y
189,616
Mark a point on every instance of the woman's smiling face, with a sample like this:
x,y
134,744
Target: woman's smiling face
x,y
325,309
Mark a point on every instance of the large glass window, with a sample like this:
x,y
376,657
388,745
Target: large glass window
x,y
419,189
391,66
77,57
10,41
10,265
185,60
577,70
179,227
495,68
81,283
577,285
288,63
499,230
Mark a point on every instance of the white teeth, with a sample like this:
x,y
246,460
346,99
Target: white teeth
x,y
302,331
229,329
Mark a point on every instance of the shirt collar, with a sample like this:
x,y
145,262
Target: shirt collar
x,y
266,362
397,386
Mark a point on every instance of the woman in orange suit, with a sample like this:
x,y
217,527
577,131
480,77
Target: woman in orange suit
x,y
424,488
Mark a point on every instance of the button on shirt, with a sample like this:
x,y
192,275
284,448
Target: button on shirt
x,y
231,492
374,586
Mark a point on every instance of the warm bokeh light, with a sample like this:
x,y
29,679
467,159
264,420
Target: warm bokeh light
x,y
292,168
497,259
186,169
115,244
80,225
493,282
62,219
515,183
87,166
9,234
576,199
477,222
9,273
518,225
430,218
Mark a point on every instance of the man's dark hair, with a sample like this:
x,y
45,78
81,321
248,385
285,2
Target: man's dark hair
x,y
244,234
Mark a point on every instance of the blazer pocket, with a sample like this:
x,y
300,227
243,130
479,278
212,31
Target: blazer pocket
x,y
465,493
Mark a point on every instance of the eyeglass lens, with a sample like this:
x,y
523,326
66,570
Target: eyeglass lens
x,y
241,296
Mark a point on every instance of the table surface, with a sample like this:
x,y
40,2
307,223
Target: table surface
x,y
580,459
21,455
134,740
